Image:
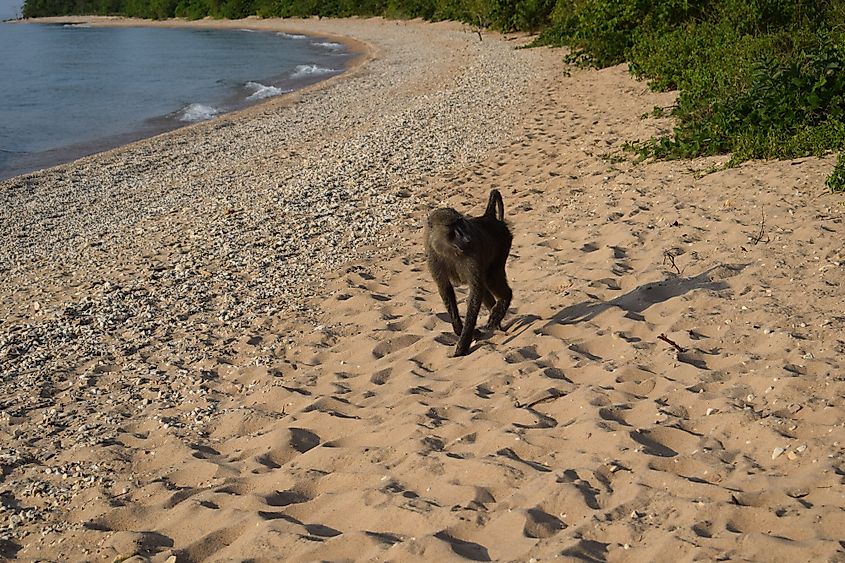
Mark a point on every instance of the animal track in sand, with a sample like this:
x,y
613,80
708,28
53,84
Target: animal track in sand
x,y
213,542
288,497
509,453
651,445
586,550
446,338
392,345
540,524
384,538
381,376
583,351
556,373
614,414
401,325
466,549
523,354
148,543
203,452
609,283
334,406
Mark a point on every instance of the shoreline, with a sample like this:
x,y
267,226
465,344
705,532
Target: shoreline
x,y
359,53
290,25
222,343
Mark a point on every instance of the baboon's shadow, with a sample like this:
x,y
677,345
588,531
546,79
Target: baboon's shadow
x,y
634,303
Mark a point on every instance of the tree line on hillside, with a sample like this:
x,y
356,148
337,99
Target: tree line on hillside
x,y
756,78
508,15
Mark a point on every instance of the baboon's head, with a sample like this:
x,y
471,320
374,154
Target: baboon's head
x,y
448,232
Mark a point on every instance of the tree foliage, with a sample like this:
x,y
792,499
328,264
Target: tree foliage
x,y
505,15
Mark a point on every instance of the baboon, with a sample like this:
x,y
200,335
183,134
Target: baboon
x,y
472,251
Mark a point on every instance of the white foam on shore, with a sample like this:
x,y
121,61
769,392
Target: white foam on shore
x,y
77,25
260,91
310,70
291,35
197,112
329,45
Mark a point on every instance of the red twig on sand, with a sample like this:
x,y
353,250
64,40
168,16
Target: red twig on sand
x,y
671,257
759,237
671,342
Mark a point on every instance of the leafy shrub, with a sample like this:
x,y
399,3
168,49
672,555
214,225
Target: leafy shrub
x,y
762,79
603,31
836,181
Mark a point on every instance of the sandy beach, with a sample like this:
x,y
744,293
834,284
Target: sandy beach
x,y
222,343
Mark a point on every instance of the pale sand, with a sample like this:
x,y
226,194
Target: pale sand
x,y
636,408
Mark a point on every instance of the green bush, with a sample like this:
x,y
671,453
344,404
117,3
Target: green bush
x,y
781,96
762,79
603,31
836,181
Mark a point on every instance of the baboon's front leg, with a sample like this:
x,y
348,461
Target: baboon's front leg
x,y
473,307
447,294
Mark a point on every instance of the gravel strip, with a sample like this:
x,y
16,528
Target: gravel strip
x,y
133,269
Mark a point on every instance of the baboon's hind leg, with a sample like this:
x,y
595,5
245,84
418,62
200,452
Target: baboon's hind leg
x,y
498,284
488,299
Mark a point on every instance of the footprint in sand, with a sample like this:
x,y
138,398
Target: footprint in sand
x,y
540,524
614,414
203,452
556,373
384,538
446,339
391,345
523,354
381,377
609,283
303,440
466,549
651,445
209,544
149,543
287,497
317,531
583,351
298,441
692,358
586,550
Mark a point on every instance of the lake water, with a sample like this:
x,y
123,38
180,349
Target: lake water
x,y
67,91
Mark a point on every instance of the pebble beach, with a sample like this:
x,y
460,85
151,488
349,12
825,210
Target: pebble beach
x,y
221,343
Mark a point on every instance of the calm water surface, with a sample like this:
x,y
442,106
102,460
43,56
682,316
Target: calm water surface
x,y
71,90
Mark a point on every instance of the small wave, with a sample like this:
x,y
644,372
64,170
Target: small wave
x,y
77,25
196,112
260,91
329,45
310,70
290,35
247,30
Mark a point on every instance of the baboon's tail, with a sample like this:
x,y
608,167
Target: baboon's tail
x,y
495,206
